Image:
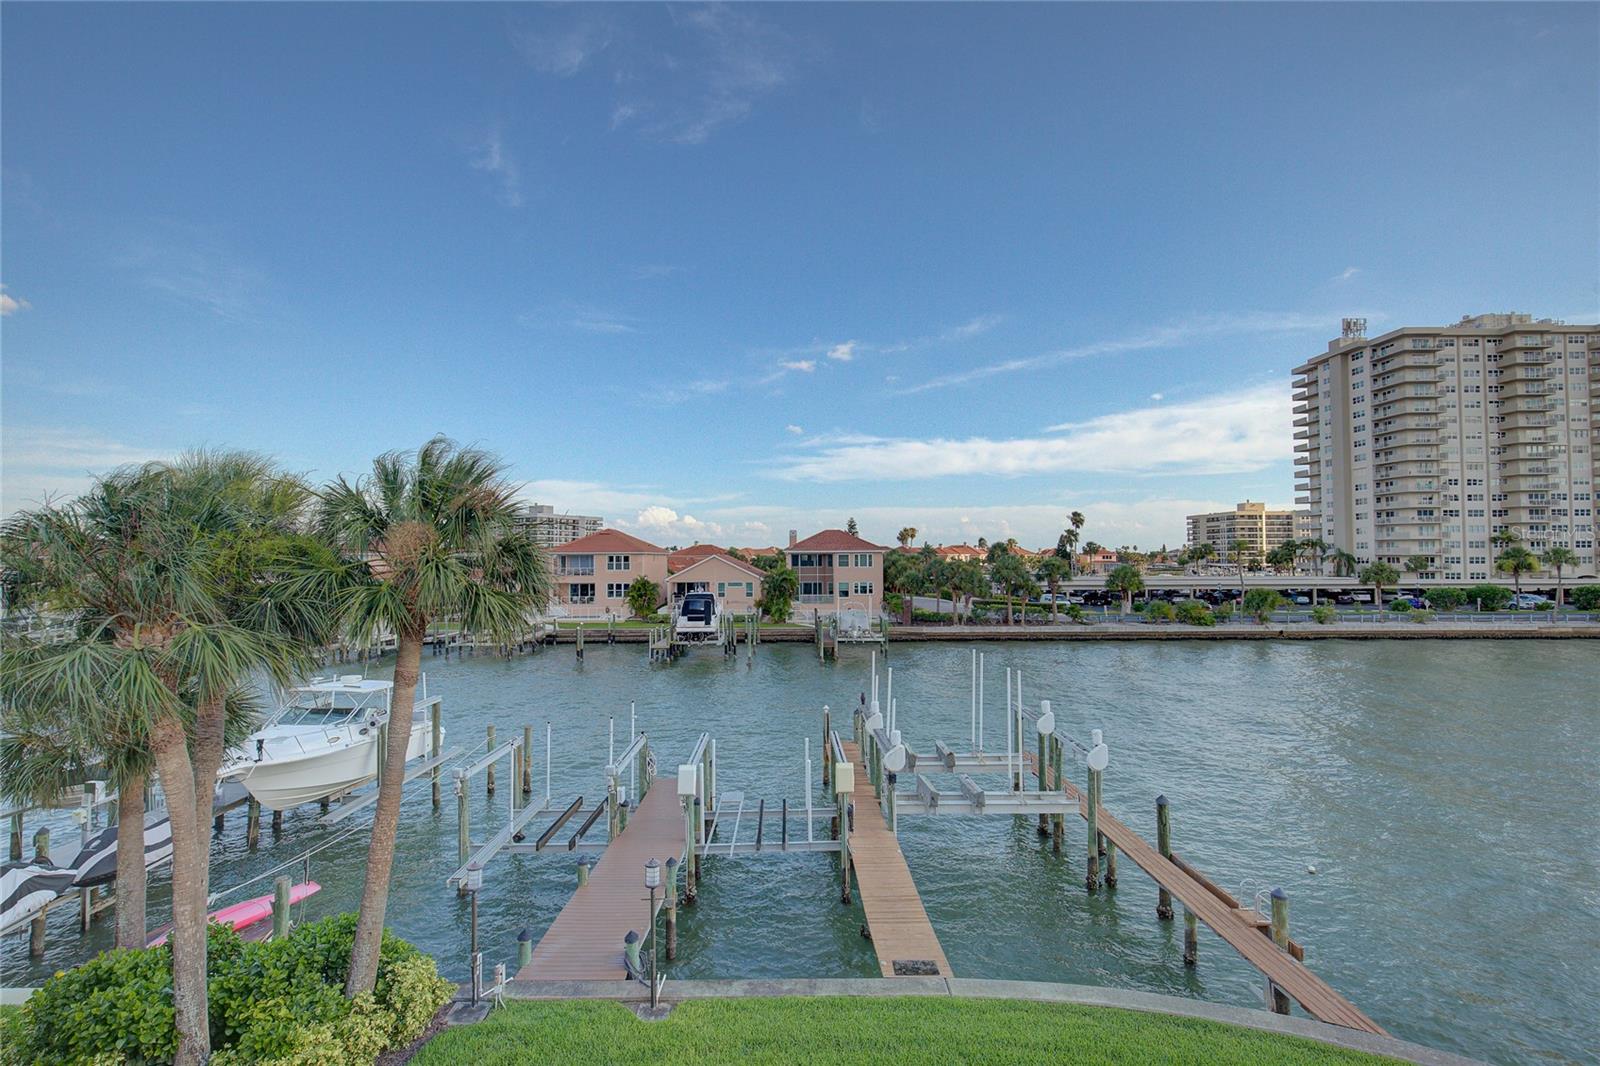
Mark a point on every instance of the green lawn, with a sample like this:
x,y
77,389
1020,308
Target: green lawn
x,y
846,1030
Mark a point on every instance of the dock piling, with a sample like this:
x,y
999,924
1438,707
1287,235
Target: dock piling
x,y
463,826
1191,938
672,908
488,776
524,948
1091,877
434,714
1280,937
252,824
15,851
527,761
1164,846
280,907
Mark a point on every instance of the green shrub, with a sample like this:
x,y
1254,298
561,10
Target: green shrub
x,y
1195,613
1260,603
1074,612
1447,599
1400,605
279,1002
1159,611
1584,597
1489,597
1421,616
1223,612
1323,615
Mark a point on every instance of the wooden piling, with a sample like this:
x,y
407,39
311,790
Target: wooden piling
x,y
672,908
36,929
488,775
527,760
827,750
15,851
630,946
1044,780
435,714
1191,938
1164,846
583,871
280,907
524,948
1091,877
252,824
844,847
1058,826
688,850
41,845
1280,937
463,828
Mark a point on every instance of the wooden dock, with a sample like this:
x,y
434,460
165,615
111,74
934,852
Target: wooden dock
x,y
901,933
584,943
1240,927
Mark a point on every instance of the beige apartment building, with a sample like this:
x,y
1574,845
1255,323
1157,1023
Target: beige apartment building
x,y
549,529
1261,527
1429,439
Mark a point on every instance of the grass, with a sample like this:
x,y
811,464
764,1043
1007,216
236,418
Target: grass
x,y
751,1032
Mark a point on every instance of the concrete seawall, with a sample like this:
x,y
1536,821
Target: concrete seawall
x,y
596,633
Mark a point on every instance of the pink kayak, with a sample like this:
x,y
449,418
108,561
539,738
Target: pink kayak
x,y
248,913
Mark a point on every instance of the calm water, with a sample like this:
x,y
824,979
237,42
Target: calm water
x,y
1445,792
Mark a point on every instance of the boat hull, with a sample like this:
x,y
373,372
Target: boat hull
x,y
281,783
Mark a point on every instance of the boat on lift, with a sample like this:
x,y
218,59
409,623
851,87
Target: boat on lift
x,y
323,742
699,618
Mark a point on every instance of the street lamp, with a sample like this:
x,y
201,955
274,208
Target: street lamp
x,y
474,883
652,881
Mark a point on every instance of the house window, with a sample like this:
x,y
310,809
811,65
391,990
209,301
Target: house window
x,y
617,590
618,562
749,588
722,589
864,559
580,593
863,588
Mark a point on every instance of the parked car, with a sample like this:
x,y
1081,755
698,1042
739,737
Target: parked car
x,y
1301,598
1528,601
1417,602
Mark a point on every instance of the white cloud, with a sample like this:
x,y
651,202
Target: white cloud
x,y
796,430
1157,396
802,366
1186,332
1230,433
45,462
491,157
563,53
664,525
10,305
1347,273
843,353
690,391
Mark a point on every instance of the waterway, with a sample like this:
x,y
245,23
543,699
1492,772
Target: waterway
x,y
1444,793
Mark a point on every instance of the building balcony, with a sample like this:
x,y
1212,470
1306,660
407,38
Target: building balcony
x,y
1527,342
1408,375
1301,486
1525,356
574,571
1299,500
1303,421
1404,357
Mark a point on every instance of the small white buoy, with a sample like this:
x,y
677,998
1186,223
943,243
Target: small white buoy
x,y
1310,869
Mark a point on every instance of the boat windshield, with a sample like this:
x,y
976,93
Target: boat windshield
x,y
698,607
332,704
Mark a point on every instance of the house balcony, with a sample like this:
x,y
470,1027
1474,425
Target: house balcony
x,y
574,571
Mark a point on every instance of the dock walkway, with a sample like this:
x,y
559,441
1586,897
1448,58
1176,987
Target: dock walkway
x,y
584,943
1242,931
901,933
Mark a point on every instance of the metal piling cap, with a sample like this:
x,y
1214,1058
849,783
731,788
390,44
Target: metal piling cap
x,y
525,936
1279,893
1161,801
632,937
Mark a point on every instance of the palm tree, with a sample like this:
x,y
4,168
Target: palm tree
x,y
428,535
968,579
1556,559
44,752
906,535
1419,564
1344,563
1516,561
1202,551
1127,580
1054,569
850,526
1011,574
1505,537
1379,576
778,590
151,564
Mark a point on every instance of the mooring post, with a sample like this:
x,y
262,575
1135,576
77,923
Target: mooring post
x,y
827,748
280,907
36,928
463,827
434,714
488,776
630,945
1091,879
583,871
1164,846
613,823
672,908
1044,779
524,948
252,824
1058,822
580,640
1191,938
41,845
699,839
1280,937
15,851
688,850
844,786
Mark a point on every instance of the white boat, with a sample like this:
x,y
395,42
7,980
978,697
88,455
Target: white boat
x,y
321,743
699,618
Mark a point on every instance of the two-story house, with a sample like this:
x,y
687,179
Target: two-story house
x,y
592,574
837,571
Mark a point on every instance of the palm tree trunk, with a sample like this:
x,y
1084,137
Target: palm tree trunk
x,y
1561,592
386,821
191,852
131,878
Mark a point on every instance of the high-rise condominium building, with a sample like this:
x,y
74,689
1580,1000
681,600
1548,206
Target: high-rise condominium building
x,y
1261,527
1428,440
548,528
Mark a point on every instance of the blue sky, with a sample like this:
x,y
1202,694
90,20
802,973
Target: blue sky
x,y
719,271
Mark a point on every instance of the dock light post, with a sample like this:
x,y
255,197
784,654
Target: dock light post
x,y
474,883
652,881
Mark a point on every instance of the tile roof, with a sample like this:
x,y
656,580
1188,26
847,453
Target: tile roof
x,y
754,571
609,540
692,554
835,540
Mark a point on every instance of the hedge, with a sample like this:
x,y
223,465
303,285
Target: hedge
x,y
272,1003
